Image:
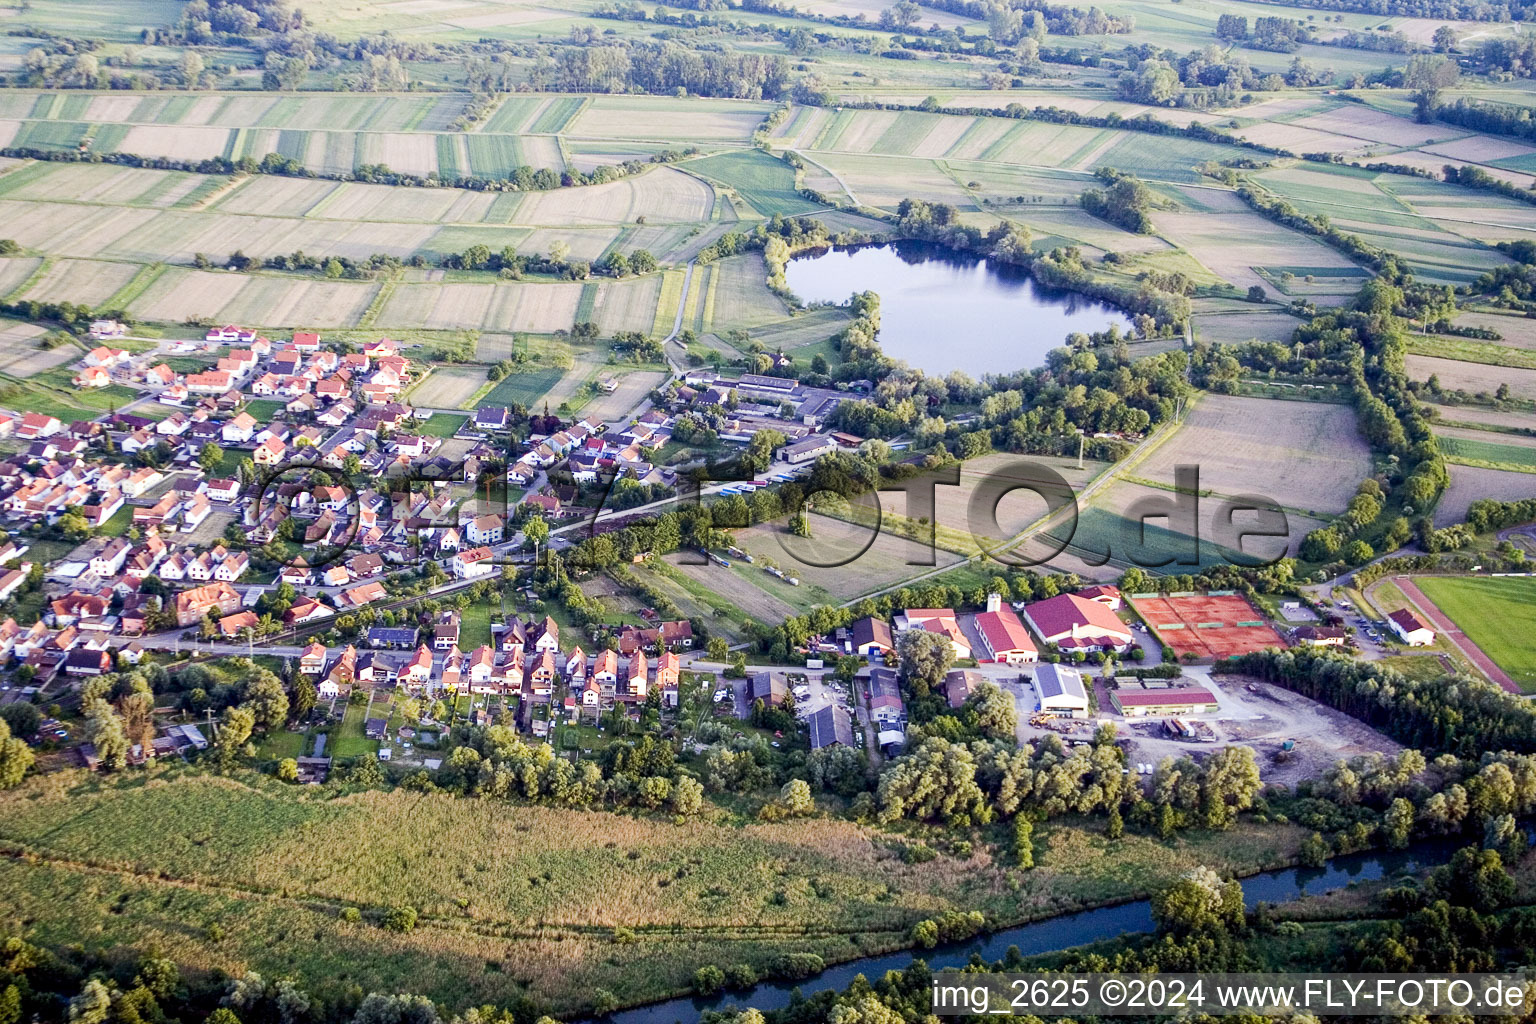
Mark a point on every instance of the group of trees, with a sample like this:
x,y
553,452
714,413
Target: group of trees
x,y
668,67
960,784
1124,201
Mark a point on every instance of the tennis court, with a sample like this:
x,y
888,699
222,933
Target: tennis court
x,y
1217,625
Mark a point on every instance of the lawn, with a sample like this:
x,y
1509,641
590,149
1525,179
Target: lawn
x,y
1499,615
441,424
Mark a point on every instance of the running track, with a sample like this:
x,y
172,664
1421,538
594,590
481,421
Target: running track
x,y
1446,626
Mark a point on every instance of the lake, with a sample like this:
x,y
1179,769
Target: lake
x,y
941,310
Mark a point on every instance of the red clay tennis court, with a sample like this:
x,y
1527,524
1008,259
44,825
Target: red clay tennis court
x,y
1216,625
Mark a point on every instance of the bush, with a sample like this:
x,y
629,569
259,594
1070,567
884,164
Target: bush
x,y
400,919
351,915
796,966
708,980
740,976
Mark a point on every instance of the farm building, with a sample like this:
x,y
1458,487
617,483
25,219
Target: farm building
x,y
872,636
807,450
829,727
1410,629
1003,637
1078,623
766,687
1140,703
1061,690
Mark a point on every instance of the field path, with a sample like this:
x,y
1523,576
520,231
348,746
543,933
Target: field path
x,y
1442,622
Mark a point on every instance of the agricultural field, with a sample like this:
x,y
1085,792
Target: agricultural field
x,y
886,560
1477,378
448,387
1304,456
1471,483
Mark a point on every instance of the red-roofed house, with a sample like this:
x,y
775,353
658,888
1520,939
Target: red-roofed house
x,y
1003,637
1410,629
1076,623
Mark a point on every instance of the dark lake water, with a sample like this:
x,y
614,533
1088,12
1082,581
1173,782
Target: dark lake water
x,y
1056,933
942,311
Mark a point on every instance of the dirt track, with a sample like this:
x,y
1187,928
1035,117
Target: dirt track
x,y
1443,623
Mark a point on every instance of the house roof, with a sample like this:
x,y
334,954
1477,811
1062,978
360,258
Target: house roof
x,y
1059,681
871,630
1062,615
1163,698
1407,621
830,725
1004,632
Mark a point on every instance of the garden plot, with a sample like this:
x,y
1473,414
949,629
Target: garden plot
x,y
181,294
1302,455
1478,414
68,230
176,142
883,563
1362,122
628,305
1298,139
19,354
1239,325
585,243
448,387
289,302
885,181
356,201
16,271
742,298
1479,149
269,195
633,387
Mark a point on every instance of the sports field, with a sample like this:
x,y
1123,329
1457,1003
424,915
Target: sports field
x,y
1497,615
1211,626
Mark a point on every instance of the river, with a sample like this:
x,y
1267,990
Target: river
x,y
941,310
1063,932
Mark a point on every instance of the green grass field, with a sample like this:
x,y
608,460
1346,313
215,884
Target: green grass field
x,y
768,184
522,388
1499,615
1489,453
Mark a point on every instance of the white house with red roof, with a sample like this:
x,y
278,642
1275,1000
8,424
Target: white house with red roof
x,y
1410,628
1075,623
1003,637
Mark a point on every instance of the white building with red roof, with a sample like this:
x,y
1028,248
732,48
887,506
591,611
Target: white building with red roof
x,y
1075,623
1003,637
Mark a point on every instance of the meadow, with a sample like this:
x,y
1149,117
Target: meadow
x,y
1499,615
532,896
